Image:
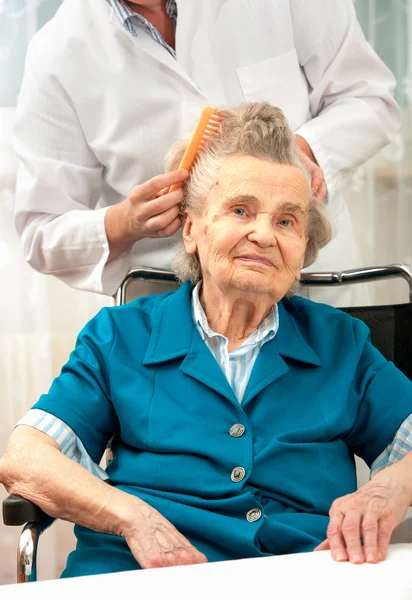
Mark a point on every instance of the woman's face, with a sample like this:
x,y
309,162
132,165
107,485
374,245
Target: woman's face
x,y
251,234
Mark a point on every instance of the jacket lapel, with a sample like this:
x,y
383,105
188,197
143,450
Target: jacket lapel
x,y
289,342
174,335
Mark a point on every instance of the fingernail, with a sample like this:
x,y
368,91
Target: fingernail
x,y
340,556
356,558
370,558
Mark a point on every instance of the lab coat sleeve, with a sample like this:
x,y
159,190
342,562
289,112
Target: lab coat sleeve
x,y
59,183
350,88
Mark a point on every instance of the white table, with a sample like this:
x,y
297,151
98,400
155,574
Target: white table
x,y
296,576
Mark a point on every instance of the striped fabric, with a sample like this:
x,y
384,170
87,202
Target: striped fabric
x,y
401,445
238,364
132,20
70,445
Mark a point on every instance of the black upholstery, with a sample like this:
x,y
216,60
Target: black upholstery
x,y
391,332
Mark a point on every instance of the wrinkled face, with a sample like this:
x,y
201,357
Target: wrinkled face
x,y
251,234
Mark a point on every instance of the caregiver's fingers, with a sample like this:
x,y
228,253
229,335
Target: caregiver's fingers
x,y
157,206
151,188
160,224
322,192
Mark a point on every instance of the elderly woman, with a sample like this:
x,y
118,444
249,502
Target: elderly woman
x,y
235,408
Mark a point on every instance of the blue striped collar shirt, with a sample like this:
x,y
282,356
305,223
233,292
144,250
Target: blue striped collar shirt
x,y
132,21
237,365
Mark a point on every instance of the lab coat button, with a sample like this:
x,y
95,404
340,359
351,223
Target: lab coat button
x,y
253,514
237,430
238,474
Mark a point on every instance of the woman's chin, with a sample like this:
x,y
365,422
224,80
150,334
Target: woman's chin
x,y
253,282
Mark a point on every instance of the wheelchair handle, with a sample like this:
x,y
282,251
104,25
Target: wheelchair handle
x,y
357,275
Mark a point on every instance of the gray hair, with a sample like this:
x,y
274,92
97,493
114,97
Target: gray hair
x,y
252,129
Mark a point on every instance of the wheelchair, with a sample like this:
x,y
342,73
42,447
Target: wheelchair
x,y
391,333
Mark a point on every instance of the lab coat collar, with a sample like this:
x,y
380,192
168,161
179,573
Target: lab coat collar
x,y
153,50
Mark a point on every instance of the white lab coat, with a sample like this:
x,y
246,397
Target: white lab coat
x,y
99,109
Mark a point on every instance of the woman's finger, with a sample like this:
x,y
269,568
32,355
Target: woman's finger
x,y
385,530
335,537
369,530
322,546
352,536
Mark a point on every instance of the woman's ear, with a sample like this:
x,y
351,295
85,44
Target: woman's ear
x,y
188,235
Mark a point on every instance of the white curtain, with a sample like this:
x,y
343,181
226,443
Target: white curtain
x,y
40,317
380,195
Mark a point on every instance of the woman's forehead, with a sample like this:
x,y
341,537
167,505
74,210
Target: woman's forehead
x,y
267,182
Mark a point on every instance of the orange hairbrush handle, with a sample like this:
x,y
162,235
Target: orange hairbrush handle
x,y
206,127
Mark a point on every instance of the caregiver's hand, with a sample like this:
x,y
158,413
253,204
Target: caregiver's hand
x,y
309,160
149,211
370,513
155,542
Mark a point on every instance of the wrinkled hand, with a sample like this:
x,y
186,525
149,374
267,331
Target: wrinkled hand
x,y
370,513
152,211
155,542
308,159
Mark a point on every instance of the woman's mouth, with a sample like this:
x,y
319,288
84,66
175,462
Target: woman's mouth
x,y
256,258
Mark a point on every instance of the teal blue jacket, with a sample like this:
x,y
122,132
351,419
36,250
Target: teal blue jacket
x,y
319,392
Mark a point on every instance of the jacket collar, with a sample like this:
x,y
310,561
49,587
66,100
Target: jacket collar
x,y
174,335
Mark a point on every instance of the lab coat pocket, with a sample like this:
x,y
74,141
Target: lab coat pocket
x,y
280,81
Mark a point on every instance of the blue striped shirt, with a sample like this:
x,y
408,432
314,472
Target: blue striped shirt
x,y
132,21
237,366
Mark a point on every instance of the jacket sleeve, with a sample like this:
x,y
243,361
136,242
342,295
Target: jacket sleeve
x,y
350,89
59,183
70,444
380,398
81,395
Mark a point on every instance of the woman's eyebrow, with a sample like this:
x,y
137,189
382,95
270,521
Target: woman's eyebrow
x,y
242,198
256,203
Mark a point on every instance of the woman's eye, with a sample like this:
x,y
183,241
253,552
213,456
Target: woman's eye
x,y
286,222
240,212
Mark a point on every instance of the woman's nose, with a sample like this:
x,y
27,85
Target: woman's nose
x,y
263,233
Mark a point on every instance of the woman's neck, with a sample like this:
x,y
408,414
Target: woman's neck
x,y
155,12
232,313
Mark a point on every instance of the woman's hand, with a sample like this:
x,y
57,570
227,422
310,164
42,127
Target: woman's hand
x,y
155,542
309,160
370,513
149,211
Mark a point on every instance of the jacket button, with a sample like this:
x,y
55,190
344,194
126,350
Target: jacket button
x,y
237,430
238,474
253,514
